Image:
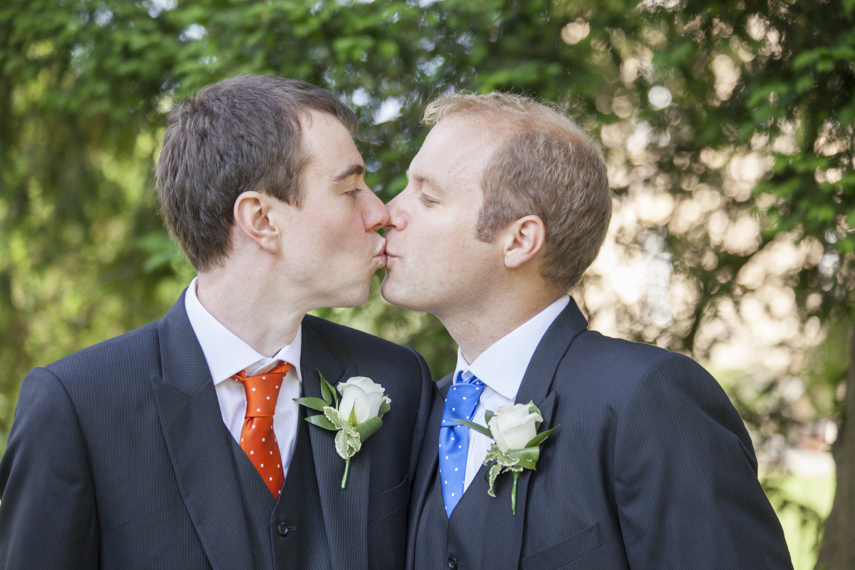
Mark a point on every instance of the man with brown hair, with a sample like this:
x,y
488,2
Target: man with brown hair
x,y
649,466
144,451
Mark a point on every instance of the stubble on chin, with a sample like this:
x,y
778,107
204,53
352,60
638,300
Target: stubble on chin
x,y
402,295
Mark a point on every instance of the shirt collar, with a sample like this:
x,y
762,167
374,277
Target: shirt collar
x,y
503,365
225,353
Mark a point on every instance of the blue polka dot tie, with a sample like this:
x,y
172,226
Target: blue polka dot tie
x,y
454,437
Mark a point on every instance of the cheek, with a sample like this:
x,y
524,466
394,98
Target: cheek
x,y
345,229
437,245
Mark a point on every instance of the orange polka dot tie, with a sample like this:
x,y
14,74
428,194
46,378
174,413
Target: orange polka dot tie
x,y
256,437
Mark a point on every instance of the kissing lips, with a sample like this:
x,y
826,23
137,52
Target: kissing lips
x,y
381,253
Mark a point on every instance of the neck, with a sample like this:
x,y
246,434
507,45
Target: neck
x,y
477,330
255,310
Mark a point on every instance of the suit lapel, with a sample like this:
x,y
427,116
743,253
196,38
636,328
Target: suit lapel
x,y
345,511
198,443
548,354
429,457
505,554
535,387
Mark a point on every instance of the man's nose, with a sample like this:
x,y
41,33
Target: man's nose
x,y
376,215
396,217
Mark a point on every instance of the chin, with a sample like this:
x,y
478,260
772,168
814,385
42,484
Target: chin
x,y
395,297
386,290
356,297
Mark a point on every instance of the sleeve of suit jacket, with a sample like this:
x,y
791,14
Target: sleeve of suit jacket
x,y
47,513
685,476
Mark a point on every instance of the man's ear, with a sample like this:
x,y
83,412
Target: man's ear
x,y
253,219
522,241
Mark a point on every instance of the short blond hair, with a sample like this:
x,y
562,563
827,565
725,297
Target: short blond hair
x,y
545,165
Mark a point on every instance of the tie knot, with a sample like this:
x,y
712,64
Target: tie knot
x,y
462,399
466,377
262,390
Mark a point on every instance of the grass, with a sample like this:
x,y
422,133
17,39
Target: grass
x,y
801,502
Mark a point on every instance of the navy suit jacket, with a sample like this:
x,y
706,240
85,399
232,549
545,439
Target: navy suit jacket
x,y
651,468
118,456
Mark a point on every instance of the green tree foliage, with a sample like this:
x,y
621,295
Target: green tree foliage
x,y
773,80
85,85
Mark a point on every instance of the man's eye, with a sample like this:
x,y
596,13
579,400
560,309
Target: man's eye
x,y
427,201
353,193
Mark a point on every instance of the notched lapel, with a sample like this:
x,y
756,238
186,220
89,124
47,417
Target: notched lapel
x,y
505,553
552,347
535,387
429,455
198,443
345,511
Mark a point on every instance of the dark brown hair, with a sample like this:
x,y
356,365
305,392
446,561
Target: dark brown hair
x,y
237,135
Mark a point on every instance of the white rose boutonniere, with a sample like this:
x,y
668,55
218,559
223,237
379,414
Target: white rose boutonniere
x,y
513,427
355,417
516,442
363,397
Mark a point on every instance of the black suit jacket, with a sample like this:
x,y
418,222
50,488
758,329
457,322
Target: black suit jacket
x,y
651,468
118,456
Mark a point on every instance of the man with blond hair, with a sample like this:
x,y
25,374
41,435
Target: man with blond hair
x,y
649,466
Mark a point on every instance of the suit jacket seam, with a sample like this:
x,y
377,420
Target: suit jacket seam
x,y
640,379
77,423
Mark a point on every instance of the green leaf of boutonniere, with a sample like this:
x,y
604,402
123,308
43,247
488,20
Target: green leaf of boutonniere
x,y
321,421
335,418
479,428
328,392
312,403
526,458
347,444
367,428
540,438
493,474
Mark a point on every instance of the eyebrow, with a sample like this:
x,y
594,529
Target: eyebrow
x,y
425,180
352,170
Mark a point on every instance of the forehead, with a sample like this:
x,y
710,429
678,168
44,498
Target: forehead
x,y
327,146
457,149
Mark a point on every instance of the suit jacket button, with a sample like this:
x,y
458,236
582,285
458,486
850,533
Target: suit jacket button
x,y
452,563
282,529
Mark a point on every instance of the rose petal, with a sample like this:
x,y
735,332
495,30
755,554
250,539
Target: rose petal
x,y
375,399
514,426
354,399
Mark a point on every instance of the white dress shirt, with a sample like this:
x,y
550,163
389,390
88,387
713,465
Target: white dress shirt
x,y
502,367
227,355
